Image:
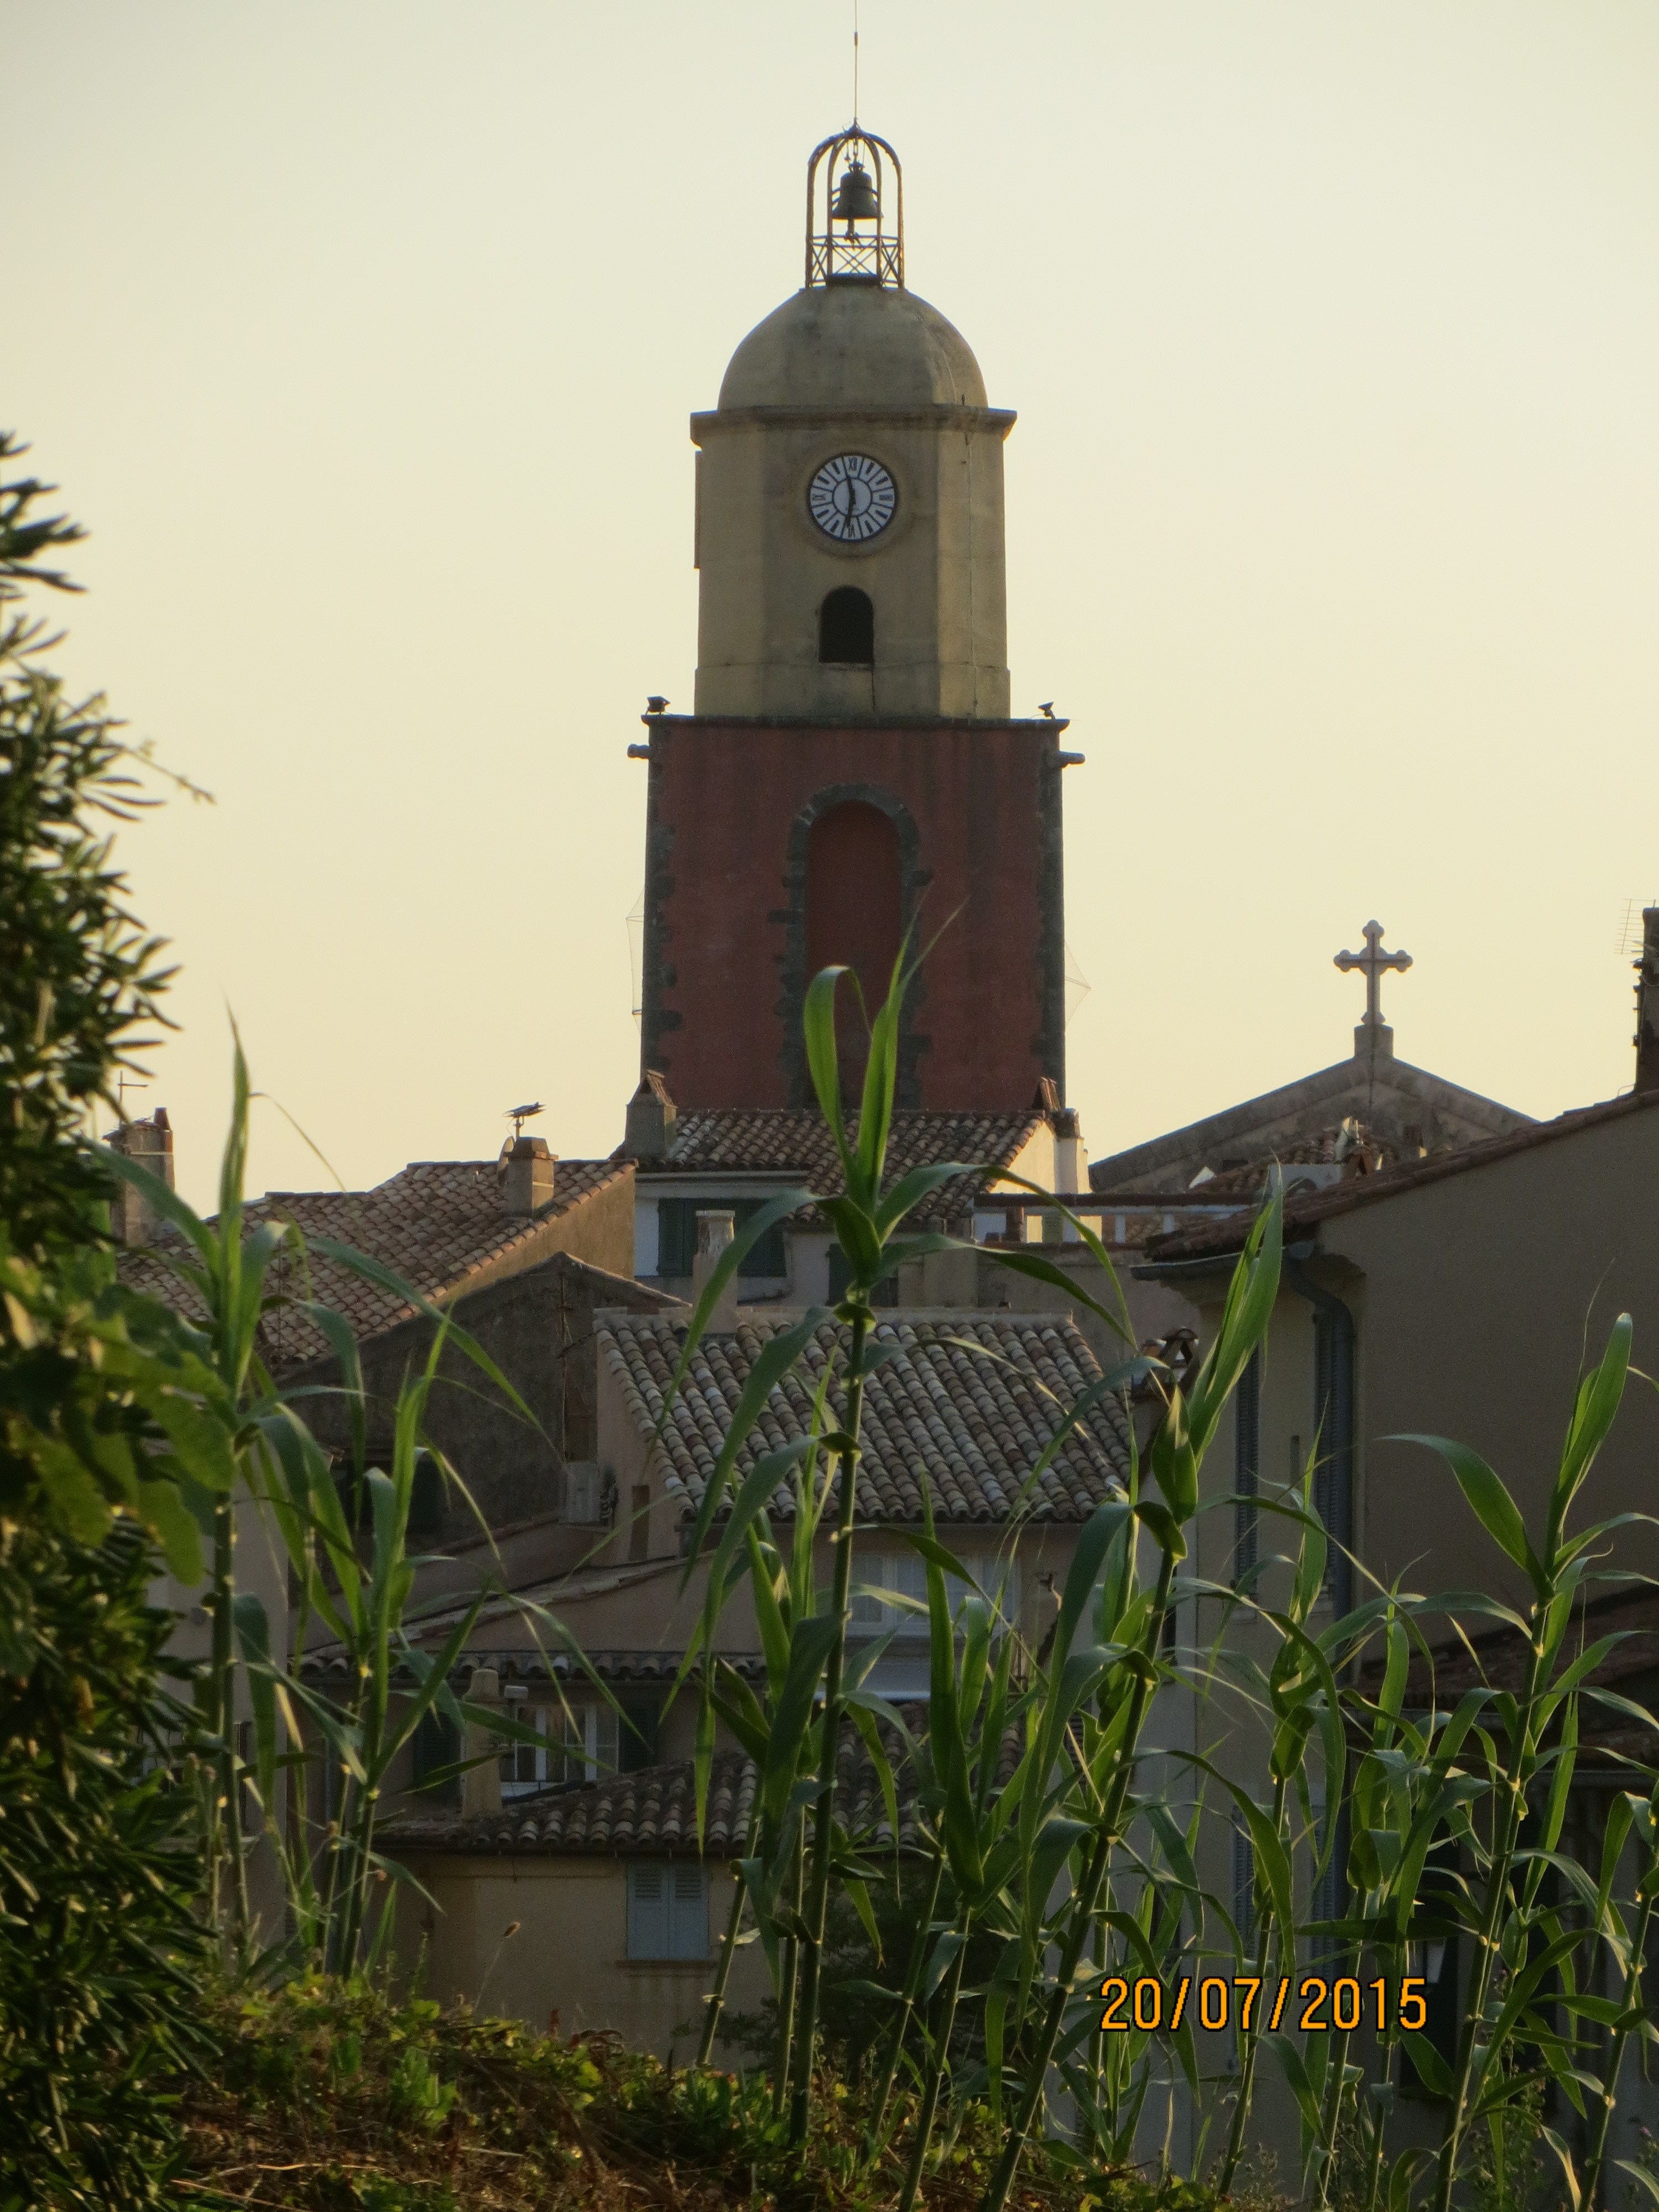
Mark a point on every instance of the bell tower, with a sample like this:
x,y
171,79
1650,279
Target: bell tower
x,y
850,771
849,539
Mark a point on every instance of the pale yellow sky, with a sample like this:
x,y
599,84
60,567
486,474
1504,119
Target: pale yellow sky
x,y
364,339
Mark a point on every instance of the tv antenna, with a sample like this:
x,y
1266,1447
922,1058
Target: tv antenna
x,y
517,1115
123,1083
1631,932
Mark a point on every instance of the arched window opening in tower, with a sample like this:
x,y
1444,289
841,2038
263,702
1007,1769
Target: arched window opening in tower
x,y
854,916
846,628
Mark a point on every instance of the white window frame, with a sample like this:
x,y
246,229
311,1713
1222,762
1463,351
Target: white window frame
x,y
584,1493
905,1572
587,1739
667,1911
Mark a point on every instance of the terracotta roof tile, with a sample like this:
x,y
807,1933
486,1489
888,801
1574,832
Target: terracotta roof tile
x,y
436,1223
653,1813
1321,1148
329,1663
1228,1234
967,1403
797,1142
650,1813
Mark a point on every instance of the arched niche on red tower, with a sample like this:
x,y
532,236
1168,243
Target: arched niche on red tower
x,y
853,871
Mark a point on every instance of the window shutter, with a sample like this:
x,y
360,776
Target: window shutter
x,y
426,1497
1010,1592
1333,1365
603,1742
910,1576
689,1922
870,1570
676,1235
647,1911
1247,1462
437,1744
636,1742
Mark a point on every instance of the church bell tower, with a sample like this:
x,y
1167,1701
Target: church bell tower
x,y
851,770
850,486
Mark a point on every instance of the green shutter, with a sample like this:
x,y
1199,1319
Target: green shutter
x,y
676,1237
636,1743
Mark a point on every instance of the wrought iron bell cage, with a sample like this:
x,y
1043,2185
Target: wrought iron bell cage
x,y
851,241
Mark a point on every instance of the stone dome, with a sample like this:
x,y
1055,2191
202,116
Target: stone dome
x,y
851,344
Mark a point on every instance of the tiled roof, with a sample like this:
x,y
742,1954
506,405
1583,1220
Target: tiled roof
x,y
625,1669
436,1223
797,1142
1500,1656
1228,1234
653,1813
967,1403
1257,1128
1321,1148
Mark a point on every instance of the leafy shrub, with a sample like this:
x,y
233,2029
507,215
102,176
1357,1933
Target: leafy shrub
x,y
80,981
307,2106
98,1873
97,1938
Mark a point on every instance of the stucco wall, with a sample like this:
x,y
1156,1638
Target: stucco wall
x,y
1476,1298
1481,1294
935,574
570,1955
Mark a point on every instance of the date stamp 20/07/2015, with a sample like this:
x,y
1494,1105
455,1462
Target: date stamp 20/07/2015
x,y
1244,2002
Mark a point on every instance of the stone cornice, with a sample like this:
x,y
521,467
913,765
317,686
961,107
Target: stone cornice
x,y
1001,420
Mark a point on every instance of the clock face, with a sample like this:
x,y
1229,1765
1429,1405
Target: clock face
x,y
852,498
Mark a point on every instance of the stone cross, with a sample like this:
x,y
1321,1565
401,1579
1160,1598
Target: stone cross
x,y
1373,960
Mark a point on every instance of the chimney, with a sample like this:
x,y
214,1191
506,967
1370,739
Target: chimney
x,y
715,1230
527,1186
481,1785
651,1120
1647,1003
149,1143
1070,1155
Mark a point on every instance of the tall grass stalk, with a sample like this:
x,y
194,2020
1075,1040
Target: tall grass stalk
x,y
909,1990
277,1470
1299,1700
824,1816
716,2002
1184,1437
1502,1908
1629,1947
939,2059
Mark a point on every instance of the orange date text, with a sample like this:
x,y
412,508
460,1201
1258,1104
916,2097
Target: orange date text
x,y
1316,2004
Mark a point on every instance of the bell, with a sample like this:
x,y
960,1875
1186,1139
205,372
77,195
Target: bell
x,y
855,196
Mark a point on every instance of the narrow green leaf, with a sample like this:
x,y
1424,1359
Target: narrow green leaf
x,y
1493,1507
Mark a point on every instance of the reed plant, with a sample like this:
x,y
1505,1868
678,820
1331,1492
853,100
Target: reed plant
x,y
1049,1845
1521,1748
1004,1845
1046,1841
339,1542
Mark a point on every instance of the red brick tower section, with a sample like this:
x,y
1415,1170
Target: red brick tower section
x,y
767,855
